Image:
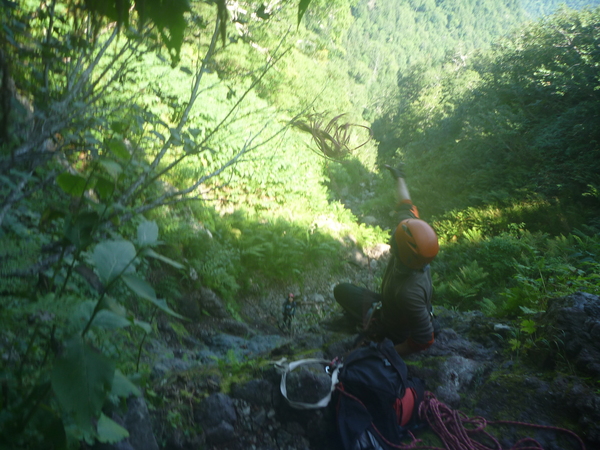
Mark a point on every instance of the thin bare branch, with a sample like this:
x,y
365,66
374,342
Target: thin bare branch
x,y
181,195
104,89
48,37
110,65
183,192
169,142
201,146
42,265
88,71
64,112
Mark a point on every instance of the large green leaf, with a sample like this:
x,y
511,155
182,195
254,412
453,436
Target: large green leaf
x,y
109,431
112,305
167,16
117,10
82,313
118,148
302,7
79,229
123,386
151,253
113,257
113,168
144,290
71,184
147,233
104,188
109,320
143,325
164,307
81,379
139,286
169,19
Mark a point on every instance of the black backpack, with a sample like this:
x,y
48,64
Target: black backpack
x,y
371,381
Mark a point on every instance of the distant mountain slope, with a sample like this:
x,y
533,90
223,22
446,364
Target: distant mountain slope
x,y
388,37
521,120
539,8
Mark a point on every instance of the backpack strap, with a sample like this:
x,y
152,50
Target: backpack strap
x,y
386,347
285,367
365,351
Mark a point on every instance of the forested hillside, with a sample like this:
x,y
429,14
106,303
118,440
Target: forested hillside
x,y
502,149
151,152
389,37
539,8
518,120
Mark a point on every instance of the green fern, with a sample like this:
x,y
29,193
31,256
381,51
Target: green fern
x,y
488,307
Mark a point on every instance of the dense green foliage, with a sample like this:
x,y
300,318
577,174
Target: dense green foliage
x,y
143,159
389,37
99,130
539,8
502,153
519,121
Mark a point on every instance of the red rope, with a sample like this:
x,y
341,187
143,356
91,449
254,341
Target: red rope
x,y
449,426
543,427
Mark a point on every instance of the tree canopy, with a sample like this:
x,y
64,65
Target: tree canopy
x,y
522,118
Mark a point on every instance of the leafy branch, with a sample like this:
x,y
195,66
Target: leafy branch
x,y
144,181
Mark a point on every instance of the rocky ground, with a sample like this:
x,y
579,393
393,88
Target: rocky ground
x,y
214,386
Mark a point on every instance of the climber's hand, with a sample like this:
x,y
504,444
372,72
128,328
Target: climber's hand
x,y
397,172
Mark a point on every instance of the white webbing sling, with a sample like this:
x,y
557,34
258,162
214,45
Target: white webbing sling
x,y
285,367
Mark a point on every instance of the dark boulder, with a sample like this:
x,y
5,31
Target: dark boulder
x,y
216,408
259,392
308,386
573,329
136,420
217,417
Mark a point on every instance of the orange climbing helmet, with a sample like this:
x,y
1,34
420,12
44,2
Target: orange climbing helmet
x,y
416,242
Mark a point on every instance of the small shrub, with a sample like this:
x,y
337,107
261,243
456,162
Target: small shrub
x,y
463,291
496,256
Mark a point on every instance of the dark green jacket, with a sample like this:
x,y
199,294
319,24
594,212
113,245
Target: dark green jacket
x,y
406,305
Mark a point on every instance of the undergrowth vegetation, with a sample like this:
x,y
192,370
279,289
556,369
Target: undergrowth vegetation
x,y
227,252
501,155
138,166
514,274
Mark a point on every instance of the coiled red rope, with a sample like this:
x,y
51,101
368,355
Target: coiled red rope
x,y
456,429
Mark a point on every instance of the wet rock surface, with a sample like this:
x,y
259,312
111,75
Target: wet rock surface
x,y
575,320
136,420
470,368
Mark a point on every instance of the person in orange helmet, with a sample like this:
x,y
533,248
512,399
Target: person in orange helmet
x,y
402,311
